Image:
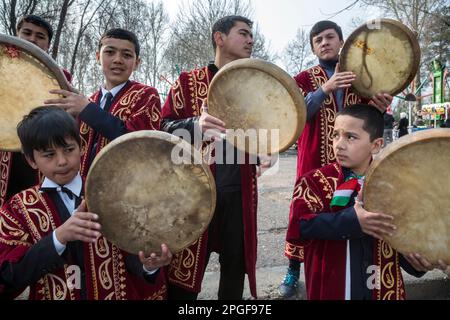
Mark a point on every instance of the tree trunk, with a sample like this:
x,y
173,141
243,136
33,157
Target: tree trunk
x,y
13,18
62,19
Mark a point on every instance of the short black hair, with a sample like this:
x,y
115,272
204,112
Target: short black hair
x,y
46,127
225,24
321,26
36,20
372,117
122,34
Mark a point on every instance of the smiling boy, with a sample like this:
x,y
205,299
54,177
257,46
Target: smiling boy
x,y
120,106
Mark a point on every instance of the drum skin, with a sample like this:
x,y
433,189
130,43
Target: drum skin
x,y
257,99
144,198
385,56
27,74
410,180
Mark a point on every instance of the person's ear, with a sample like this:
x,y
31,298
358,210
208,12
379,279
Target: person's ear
x,y
97,57
31,163
219,38
377,144
137,63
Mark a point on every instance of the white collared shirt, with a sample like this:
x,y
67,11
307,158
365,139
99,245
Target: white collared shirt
x,y
75,186
113,91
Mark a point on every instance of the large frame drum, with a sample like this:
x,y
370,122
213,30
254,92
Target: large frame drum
x,y
410,180
148,188
27,74
260,103
385,56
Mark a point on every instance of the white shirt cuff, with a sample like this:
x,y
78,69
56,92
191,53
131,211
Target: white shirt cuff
x,y
149,272
58,245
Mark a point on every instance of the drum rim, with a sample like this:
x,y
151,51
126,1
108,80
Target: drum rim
x,y
154,134
285,79
40,55
412,40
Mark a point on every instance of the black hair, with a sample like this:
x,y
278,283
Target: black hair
x,y
322,26
372,117
122,34
46,127
36,20
225,24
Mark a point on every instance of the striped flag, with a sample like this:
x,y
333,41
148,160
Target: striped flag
x,y
343,193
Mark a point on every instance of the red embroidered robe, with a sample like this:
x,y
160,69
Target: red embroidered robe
x,y
30,216
136,104
325,260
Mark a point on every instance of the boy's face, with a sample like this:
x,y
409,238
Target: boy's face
x,y
352,145
326,45
34,34
238,44
58,164
118,60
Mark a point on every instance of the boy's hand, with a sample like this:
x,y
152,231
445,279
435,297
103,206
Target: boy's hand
x,y
421,263
73,103
153,261
80,226
339,80
377,225
381,101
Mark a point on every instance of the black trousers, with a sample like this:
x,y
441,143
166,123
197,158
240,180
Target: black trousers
x,y
225,233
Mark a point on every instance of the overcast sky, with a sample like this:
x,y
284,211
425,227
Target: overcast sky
x,y
279,20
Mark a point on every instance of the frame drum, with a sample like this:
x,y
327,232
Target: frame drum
x,y
260,103
148,188
410,180
27,74
385,56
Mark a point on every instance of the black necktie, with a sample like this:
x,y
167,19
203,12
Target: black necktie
x,y
109,98
108,102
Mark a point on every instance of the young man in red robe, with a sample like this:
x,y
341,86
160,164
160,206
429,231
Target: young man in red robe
x,y
345,256
15,174
327,90
49,242
232,232
120,106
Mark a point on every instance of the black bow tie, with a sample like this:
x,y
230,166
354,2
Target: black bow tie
x,y
67,191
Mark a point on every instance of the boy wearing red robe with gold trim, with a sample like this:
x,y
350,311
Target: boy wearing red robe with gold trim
x,y
49,242
345,256
327,91
120,106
